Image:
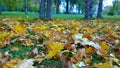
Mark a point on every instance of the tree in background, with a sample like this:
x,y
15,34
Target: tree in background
x,y
112,10
42,9
67,6
13,5
1,5
81,6
0,10
116,6
25,6
49,9
45,9
89,4
70,3
99,13
57,6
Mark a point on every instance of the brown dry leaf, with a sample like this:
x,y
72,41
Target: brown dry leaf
x,y
78,56
87,35
117,51
69,46
66,62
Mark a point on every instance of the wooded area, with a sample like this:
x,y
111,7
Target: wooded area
x,y
45,7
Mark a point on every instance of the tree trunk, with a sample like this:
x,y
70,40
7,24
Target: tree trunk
x,y
49,9
0,10
42,9
67,6
25,6
99,13
89,9
57,6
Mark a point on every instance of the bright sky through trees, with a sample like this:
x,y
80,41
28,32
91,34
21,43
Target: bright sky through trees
x,y
107,3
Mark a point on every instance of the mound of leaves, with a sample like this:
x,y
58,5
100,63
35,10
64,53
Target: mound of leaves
x,y
59,43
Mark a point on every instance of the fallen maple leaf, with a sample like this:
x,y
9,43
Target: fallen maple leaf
x,y
54,49
104,48
19,29
103,65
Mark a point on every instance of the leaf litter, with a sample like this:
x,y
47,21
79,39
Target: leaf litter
x,y
59,43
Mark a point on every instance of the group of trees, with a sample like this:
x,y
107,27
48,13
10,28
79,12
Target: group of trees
x,y
45,6
19,5
88,4
115,8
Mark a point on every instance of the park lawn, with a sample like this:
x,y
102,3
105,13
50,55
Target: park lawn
x,y
35,15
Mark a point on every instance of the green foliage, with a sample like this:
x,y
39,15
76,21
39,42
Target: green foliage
x,y
81,5
33,5
115,8
11,4
1,3
18,5
96,59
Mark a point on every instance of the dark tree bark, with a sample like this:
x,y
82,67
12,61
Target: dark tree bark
x,y
0,10
45,9
78,10
67,6
42,9
49,9
89,9
99,13
25,6
57,6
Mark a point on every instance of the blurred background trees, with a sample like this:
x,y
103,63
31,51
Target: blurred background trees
x,y
86,7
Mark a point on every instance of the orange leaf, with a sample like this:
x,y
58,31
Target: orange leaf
x,y
87,35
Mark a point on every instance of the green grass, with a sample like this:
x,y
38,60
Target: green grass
x,y
19,14
33,15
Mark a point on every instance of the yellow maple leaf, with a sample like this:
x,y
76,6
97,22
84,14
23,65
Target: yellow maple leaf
x,y
4,38
104,48
104,65
3,35
89,50
12,64
37,28
54,49
19,29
